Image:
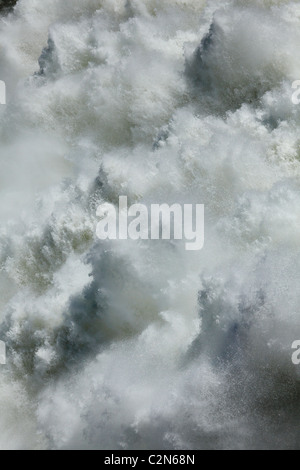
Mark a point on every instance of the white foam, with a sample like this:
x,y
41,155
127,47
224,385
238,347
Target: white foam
x,y
144,345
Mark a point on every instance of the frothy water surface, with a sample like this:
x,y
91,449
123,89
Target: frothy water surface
x,y
144,345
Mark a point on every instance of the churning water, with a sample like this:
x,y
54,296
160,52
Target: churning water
x,y
142,344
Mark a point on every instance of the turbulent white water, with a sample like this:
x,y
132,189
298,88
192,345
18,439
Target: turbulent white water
x,y
143,345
